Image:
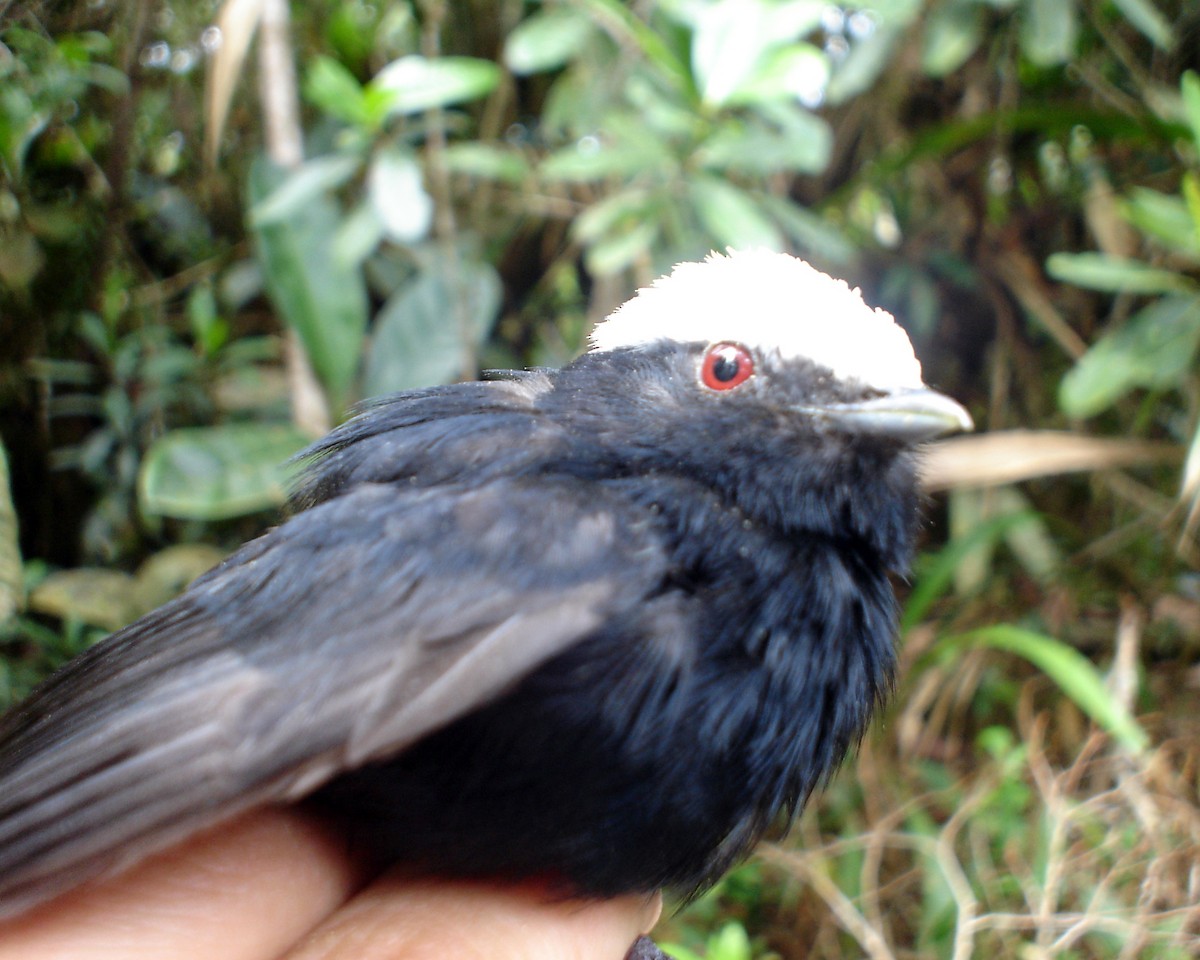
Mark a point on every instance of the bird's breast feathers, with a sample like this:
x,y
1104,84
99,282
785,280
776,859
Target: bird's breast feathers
x,y
602,623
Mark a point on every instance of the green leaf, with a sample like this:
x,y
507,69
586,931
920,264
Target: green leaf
x,y
1147,18
166,573
358,235
812,233
57,223
109,79
21,123
731,942
733,38
616,18
240,283
428,331
732,215
1031,543
590,159
547,40
1189,86
1049,31
799,71
1154,349
208,328
936,572
1164,217
396,192
618,230
310,181
952,33
486,161
614,252
622,207
337,91
102,598
214,473
1027,537
864,63
659,111
12,590
412,84
1074,673
677,951
803,145
21,259
1100,271
1190,188
323,299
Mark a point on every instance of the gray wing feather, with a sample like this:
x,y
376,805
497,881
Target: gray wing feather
x,y
341,637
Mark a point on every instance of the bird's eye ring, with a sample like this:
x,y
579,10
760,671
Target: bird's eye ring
x,y
725,366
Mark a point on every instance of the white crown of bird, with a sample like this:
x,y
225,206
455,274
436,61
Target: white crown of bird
x,y
768,301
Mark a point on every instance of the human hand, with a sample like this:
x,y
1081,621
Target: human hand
x,y
274,885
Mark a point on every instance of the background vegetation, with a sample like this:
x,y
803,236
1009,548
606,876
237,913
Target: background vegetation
x,y
398,193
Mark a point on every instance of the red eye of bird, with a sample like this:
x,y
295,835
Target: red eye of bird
x,y
725,366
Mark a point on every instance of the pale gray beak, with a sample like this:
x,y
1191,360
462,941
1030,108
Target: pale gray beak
x,y
911,416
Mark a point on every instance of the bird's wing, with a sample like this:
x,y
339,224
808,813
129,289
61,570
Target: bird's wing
x,y
343,636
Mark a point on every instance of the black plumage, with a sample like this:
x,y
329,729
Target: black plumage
x,y
604,624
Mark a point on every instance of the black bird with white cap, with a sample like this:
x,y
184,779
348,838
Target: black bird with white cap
x,y
605,624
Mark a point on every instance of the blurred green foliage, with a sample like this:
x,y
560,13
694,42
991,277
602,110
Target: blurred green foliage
x,y
1018,180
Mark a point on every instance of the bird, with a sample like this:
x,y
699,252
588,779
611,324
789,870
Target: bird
x,y
608,624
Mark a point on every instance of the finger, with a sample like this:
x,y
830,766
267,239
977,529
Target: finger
x,y
246,890
405,919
